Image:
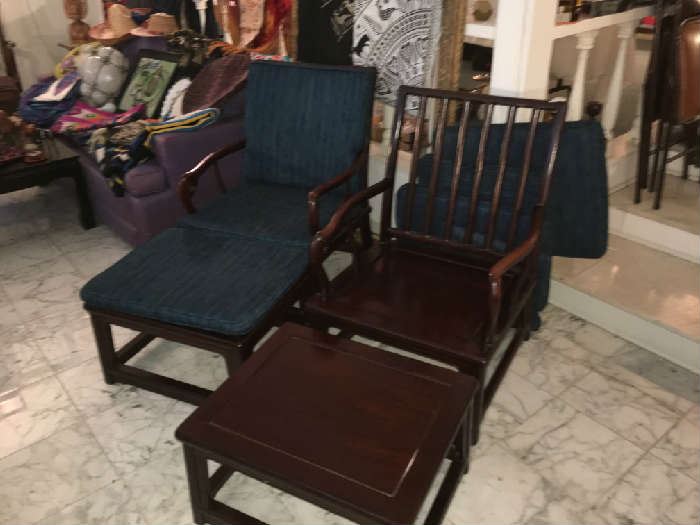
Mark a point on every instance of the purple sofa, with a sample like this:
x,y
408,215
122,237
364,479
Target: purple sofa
x,y
151,203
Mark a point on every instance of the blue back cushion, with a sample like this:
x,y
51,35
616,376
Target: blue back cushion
x,y
305,124
509,190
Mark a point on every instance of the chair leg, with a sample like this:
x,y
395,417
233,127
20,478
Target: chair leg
x,y
105,347
366,233
643,156
661,175
651,183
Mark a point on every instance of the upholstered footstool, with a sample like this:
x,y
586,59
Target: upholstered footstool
x,y
356,430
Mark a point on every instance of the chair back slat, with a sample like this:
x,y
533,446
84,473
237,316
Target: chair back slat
x,y
502,163
475,177
437,158
527,159
459,155
481,155
417,141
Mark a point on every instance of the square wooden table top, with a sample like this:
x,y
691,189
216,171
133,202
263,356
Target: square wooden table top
x,y
314,414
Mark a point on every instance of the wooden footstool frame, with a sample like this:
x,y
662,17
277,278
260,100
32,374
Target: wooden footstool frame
x,y
209,434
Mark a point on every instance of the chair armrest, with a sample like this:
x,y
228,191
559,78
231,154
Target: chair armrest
x,y
319,191
188,183
509,261
323,238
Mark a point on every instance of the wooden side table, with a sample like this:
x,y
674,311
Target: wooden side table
x,y
60,162
356,430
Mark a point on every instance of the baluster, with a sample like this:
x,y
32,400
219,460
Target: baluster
x,y
390,174
498,186
417,139
459,154
585,43
480,159
437,158
527,158
612,101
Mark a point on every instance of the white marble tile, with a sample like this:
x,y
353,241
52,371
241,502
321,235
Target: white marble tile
x,y
65,340
107,506
133,434
574,453
21,362
186,363
33,412
92,396
46,297
628,411
552,416
653,493
158,491
680,448
551,367
498,490
19,258
42,479
620,374
519,397
9,318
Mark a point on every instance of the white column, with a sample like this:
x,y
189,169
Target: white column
x,y
585,42
201,6
612,101
522,50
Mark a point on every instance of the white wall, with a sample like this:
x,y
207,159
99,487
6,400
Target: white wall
x,y
37,27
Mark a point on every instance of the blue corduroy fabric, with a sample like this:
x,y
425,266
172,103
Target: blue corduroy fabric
x,y
305,125
199,278
224,268
264,211
576,218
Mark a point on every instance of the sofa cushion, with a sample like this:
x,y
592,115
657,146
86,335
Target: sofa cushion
x,y
264,211
145,179
305,124
202,279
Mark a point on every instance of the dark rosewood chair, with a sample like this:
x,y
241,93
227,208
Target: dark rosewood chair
x,y
225,274
455,267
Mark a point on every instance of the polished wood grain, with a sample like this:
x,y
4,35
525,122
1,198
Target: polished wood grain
x,y
357,430
424,291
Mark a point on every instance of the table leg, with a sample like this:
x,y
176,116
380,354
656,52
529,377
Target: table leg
x,y
198,479
87,218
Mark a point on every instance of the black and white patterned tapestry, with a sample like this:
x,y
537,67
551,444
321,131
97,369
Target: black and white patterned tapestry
x,y
395,36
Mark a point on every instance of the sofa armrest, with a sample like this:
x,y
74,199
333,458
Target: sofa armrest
x,y
179,152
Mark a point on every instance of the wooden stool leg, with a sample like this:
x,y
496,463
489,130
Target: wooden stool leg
x,y
105,347
198,480
661,174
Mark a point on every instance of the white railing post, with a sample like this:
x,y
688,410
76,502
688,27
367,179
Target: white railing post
x,y
612,102
584,44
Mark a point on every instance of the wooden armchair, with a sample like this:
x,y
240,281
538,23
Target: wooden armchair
x,y
453,273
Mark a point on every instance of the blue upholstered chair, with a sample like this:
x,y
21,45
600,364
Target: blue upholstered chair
x,y
223,275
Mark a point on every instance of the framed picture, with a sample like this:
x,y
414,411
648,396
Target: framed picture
x,y
149,81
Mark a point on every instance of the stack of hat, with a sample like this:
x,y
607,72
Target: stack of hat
x,y
120,24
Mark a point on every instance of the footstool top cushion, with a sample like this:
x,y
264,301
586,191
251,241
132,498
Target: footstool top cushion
x,y
335,418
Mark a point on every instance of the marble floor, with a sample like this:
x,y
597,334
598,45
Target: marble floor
x,y
679,207
586,428
646,282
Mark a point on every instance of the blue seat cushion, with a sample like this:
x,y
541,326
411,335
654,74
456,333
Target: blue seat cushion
x,y
267,212
201,279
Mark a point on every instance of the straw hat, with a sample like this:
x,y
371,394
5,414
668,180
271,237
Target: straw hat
x,y
158,24
118,25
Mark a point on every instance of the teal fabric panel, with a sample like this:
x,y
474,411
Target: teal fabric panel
x,y
201,279
266,212
305,124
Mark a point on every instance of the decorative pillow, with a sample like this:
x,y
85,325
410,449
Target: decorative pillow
x,y
103,71
172,105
